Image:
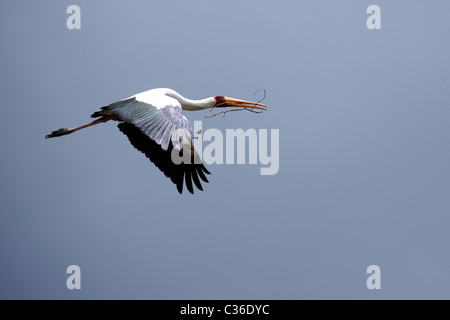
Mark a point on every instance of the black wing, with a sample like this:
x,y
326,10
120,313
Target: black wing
x,y
162,159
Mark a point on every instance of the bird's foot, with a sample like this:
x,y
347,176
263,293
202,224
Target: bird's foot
x,y
58,133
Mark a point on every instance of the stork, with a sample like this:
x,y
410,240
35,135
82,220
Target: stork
x,y
154,123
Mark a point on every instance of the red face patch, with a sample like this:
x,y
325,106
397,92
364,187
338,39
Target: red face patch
x,y
220,101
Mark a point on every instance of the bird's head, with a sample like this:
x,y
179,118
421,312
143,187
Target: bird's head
x,y
222,102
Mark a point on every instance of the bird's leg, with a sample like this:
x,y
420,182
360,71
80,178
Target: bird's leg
x,y
64,131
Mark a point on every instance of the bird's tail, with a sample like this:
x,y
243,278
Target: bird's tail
x,y
103,112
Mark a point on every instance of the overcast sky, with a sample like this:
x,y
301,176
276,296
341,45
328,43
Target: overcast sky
x,y
363,118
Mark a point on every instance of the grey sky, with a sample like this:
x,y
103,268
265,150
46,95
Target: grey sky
x,y
364,154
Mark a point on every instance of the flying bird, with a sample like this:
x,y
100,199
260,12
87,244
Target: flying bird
x,y
154,123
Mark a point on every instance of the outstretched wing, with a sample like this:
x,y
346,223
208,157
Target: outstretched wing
x,y
156,132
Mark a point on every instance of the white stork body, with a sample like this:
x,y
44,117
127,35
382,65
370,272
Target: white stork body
x,y
162,97
155,125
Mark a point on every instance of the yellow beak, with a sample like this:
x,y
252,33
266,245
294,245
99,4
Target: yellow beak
x,y
231,102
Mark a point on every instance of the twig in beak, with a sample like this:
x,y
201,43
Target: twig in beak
x,y
264,96
246,108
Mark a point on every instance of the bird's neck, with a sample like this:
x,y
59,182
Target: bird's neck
x,y
192,105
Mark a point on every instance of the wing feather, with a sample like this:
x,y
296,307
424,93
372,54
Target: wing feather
x,y
150,131
167,135
196,179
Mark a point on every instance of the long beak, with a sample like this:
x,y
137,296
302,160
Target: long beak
x,y
231,102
